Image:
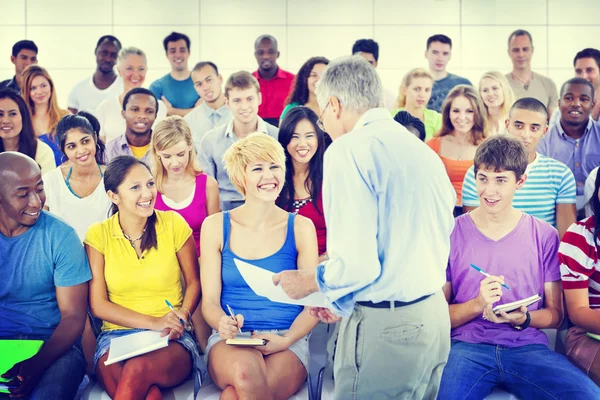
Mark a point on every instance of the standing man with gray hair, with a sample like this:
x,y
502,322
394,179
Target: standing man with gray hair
x,y
388,202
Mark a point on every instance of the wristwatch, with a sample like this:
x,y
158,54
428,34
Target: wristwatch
x,y
525,324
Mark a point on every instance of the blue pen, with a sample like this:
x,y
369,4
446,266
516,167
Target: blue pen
x,y
172,308
476,268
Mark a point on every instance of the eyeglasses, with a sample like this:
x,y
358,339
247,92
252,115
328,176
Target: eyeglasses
x,y
320,120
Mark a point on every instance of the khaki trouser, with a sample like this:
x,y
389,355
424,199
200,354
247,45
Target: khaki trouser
x,y
393,353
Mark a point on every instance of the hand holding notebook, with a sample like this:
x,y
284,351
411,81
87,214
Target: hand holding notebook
x,y
15,371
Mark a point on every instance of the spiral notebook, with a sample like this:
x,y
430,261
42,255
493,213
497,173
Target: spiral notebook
x,y
135,344
515,305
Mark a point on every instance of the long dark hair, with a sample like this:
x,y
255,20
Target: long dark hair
x,y
85,122
115,174
299,93
595,203
314,180
27,140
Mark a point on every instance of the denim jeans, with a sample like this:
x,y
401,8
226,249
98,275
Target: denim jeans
x,y
529,372
62,379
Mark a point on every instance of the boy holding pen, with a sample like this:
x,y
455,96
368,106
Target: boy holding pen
x,y
518,250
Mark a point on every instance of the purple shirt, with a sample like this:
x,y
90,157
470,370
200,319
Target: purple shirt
x,y
527,258
120,147
581,155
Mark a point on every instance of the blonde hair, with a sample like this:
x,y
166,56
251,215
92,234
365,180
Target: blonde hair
x,y
55,113
407,80
241,80
166,134
255,147
509,97
479,131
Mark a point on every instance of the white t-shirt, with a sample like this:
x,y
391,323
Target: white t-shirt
x,y
112,123
85,96
79,213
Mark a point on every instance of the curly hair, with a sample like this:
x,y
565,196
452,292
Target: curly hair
x,y
299,93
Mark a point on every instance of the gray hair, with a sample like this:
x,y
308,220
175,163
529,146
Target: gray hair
x,y
129,51
353,81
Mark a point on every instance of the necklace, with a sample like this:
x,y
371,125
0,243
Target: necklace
x,y
526,83
132,241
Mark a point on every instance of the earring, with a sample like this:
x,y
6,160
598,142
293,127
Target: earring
x,y
63,159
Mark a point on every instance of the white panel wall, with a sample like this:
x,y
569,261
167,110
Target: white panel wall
x,y
224,31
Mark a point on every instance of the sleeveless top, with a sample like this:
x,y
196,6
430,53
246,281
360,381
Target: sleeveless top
x,y
195,213
308,208
259,312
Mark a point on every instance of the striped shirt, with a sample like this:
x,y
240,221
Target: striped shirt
x,y
549,182
578,257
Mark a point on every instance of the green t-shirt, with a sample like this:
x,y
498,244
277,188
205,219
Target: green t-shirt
x,y
288,108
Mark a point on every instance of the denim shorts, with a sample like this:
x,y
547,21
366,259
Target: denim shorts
x,y
299,348
188,343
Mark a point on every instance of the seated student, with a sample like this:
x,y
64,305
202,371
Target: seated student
x,y
40,95
16,133
498,98
212,111
579,254
44,289
369,50
132,67
549,191
176,89
24,53
304,86
304,145
138,241
520,251
243,98
270,238
103,84
575,140
140,110
415,91
412,124
75,191
463,129
183,188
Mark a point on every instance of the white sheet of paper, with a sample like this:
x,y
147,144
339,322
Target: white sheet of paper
x,y
136,344
261,282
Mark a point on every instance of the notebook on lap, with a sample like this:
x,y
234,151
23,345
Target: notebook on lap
x,y
14,351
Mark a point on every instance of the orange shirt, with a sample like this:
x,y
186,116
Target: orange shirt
x,y
456,169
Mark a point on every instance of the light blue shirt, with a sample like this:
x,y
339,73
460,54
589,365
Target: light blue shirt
x,y
210,156
388,206
203,118
181,94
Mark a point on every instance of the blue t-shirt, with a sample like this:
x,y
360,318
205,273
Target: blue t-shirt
x,y
181,94
549,182
47,255
59,158
441,89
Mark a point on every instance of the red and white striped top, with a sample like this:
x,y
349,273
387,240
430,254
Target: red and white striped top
x,y
578,256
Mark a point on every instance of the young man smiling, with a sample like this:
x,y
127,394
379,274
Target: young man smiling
x,y
24,53
176,88
140,108
575,140
213,111
549,192
505,349
243,98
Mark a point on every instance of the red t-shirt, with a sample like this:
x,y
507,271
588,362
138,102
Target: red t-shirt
x,y
274,92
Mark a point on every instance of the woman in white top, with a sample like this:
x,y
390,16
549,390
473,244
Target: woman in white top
x,y
498,98
75,191
132,67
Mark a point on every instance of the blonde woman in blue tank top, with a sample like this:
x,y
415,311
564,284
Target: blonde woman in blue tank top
x,y
263,234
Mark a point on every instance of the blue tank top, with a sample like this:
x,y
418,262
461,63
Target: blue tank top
x,y
259,312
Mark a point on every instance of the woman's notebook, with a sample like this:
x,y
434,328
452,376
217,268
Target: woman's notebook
x,y
515,305
135,344
246,342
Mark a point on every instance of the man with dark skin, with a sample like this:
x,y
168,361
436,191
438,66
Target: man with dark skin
x,y
88,94
140,110
39,252
274,82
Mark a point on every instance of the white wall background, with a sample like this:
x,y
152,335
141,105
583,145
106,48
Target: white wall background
x,y
223,31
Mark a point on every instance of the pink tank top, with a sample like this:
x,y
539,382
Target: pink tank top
x,y
195,213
